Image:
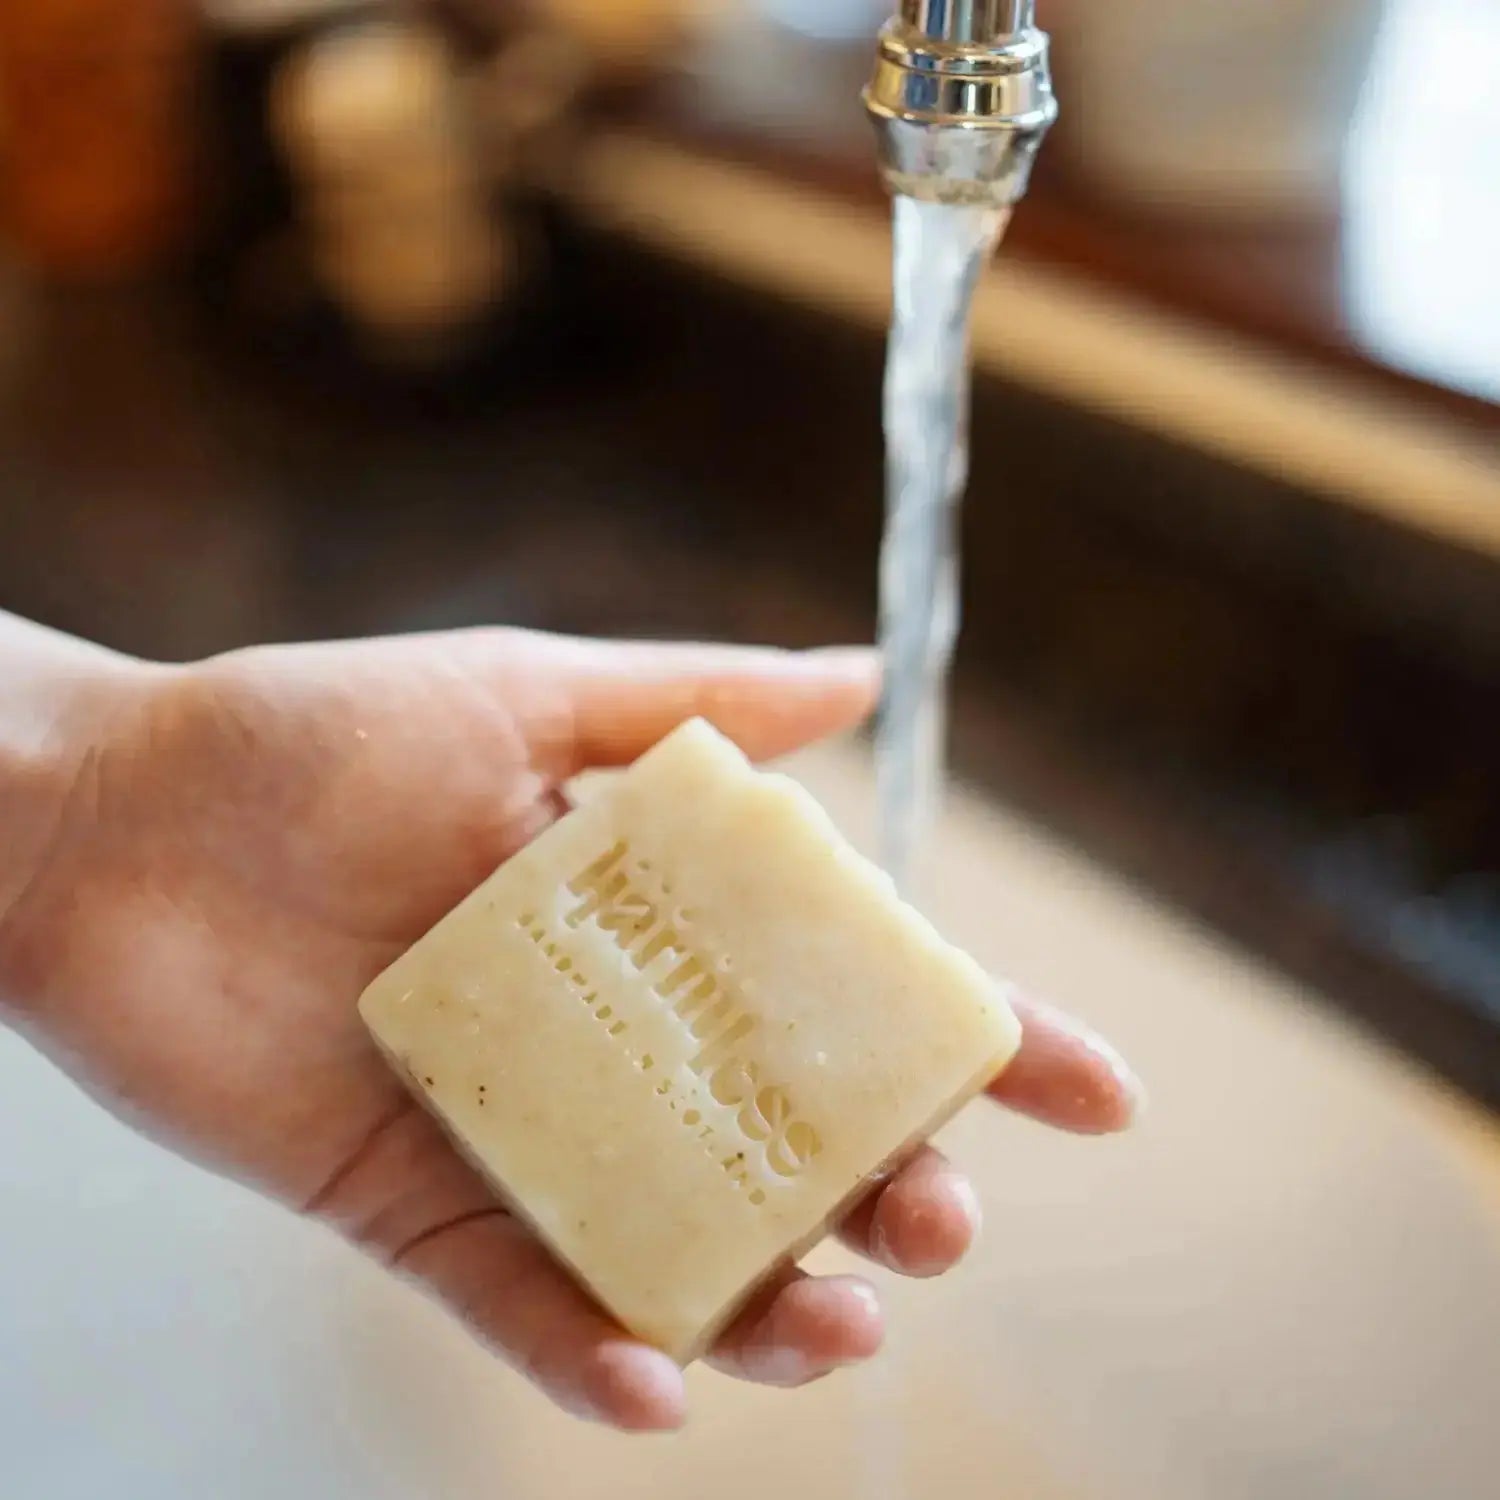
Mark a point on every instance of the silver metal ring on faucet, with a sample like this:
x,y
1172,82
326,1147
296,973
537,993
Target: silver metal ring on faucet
x,y
958,121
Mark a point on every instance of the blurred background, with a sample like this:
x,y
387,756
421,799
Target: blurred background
x,y
324,317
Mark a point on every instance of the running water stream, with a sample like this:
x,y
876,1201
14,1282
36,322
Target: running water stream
x,y
940,251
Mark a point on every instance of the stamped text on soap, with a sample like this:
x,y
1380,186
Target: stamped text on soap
x,y
715,1017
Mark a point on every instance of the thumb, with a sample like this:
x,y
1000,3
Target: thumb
x,y
608,702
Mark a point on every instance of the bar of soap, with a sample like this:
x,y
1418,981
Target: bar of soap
x,y
683,1028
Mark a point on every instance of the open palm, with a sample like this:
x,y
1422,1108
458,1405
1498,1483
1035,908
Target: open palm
x,y
247,842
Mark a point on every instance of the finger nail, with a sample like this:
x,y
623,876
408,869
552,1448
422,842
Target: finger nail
x,y
880,1246
961,1190
778,1365
1103,1096
633,1388
1128,1089
933,1243
841,661
870,1336
1132,1091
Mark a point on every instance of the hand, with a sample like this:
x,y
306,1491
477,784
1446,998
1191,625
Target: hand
x,y
244,844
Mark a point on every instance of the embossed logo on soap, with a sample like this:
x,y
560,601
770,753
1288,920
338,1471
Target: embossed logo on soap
x,y
716,1021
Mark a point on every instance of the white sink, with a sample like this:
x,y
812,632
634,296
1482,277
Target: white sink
x,y
1283,1285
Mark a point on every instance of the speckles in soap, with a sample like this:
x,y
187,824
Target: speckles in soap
x,y
713,1016
746,1050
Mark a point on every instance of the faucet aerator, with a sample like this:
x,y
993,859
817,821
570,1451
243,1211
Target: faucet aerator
x,y
961,99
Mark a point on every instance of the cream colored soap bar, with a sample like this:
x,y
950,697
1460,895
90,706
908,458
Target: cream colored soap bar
x,y
681,1029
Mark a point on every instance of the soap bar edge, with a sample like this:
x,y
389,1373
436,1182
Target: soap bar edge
x,y
815,1237
701,732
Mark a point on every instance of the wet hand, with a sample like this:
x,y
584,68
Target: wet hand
x,y
240,846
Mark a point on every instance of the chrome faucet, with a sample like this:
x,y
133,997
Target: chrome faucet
x,y
961,99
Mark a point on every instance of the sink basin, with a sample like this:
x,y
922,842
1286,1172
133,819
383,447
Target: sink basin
x,y
1281,1284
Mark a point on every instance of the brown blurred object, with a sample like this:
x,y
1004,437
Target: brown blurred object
x,y
97,99
275,15
621,43
373,124
628,40
523,97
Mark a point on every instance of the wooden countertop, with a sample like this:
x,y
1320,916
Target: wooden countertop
x,y
1382,446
